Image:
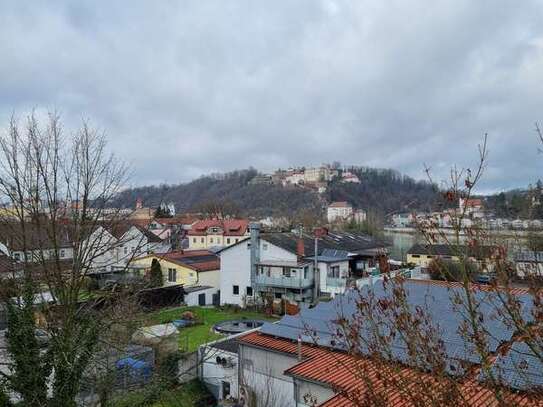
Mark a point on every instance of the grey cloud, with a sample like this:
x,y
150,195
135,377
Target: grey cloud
x,y
192,87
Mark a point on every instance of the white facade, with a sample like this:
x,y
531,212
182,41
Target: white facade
x,y
333,277
335,213
262,374
194,297
236,268
295,178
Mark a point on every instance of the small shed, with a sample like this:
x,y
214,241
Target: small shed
x,y
199,295
163,338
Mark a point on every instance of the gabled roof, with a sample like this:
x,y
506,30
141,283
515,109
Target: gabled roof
x,y
344,241
34,237
435,299
230,227
339,242
198,260
342,204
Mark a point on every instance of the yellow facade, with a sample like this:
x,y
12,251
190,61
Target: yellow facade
x,y
172,273
207,241
424,260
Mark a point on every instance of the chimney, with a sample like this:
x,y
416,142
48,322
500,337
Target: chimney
x,y
300,246
254,230
299,348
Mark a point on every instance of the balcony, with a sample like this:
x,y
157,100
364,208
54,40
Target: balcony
x,y
284,282
336,282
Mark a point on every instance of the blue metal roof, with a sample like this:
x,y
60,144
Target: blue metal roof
x,y
318,324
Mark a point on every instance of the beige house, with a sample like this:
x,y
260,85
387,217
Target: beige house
x,y
209,233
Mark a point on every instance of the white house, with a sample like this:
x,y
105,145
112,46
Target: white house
x,y
281,265
339,211
279,273
218,371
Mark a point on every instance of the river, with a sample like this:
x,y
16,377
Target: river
x,y
401,242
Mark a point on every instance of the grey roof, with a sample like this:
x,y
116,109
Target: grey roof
x,y
228,345
529,257
479,252
350,242
332,256
195,288
318,325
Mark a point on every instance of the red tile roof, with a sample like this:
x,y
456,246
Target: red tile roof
x,y
341,372
230,227
198,260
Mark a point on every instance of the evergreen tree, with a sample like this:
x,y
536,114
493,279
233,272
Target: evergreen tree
x,y
156,279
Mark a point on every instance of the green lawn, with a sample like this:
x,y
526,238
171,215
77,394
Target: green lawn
x,y
192,337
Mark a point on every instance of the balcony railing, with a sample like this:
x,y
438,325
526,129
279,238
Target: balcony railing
x,y
286,282
336,282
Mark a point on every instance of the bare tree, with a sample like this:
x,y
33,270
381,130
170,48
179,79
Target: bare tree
x,y
56,191
424,373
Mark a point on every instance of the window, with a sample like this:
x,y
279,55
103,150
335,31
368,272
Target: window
x,y
286,272
228,240
172,275
202,240
264,246
193,240
17,256
210,240
237,240
235,289
278,296
249,291
191,274
334,272
62,253
416,256
305,271
125,250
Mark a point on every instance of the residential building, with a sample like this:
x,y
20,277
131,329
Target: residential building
x,y
305,369
470,205
186,267
422,254
339,211
282,265
294,177
210,233
402,220
324,173
348,176
529,263
219,367
263,179
35,242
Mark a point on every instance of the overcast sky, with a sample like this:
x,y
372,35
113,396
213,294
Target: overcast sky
x,y
184,88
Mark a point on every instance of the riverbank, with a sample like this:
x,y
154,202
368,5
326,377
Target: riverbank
x,y
507,233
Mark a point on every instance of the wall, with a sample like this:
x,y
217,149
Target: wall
x,y
262,372
236,268
213,374
191,299
211,240
313,392
211,278
324,269
184,275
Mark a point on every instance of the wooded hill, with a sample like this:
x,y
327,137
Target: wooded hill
x,y
381,191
